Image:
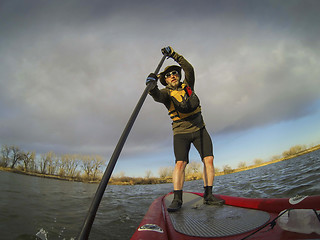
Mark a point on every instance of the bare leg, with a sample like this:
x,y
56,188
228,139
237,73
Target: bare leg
x,y
178,180
208,171
178,175
208,176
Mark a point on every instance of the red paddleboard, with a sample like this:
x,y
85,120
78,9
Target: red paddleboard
x,y
239,218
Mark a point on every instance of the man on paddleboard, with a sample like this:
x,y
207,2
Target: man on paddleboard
x,y
187,124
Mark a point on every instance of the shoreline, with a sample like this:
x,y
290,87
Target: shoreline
x,y
309,150
154,180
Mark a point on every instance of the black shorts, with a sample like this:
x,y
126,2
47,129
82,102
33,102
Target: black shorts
x,y
200,139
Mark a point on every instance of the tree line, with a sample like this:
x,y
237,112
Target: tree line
x,y
194,169
88,167
258,162
69,166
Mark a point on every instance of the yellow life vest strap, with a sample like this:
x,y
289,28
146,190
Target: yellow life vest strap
x,y
194,116
178,117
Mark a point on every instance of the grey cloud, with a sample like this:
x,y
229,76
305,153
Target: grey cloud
x,y
72,73
259,87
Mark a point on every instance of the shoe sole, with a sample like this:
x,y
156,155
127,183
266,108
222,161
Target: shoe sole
x,y
220,203
173,209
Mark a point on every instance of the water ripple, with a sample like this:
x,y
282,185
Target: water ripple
x,y
29,204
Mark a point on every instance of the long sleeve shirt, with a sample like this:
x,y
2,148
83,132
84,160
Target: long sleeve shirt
x,y
163,96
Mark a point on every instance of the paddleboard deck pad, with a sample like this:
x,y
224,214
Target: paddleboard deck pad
x,y
200,220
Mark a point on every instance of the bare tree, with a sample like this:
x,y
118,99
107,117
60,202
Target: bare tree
x,y
15,155
97,164
148,174
52,162
43,163
70,163
294,150
242,165
193,168
258,161
227,169
165,172
28,159
275,157
217,170
61,165
5,156
88,166
121,174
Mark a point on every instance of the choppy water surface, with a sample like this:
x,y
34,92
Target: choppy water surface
x,y
29,204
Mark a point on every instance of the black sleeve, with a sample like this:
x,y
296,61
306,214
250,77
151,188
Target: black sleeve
x,y
187,68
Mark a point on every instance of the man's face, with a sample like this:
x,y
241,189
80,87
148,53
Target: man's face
x,y
172,78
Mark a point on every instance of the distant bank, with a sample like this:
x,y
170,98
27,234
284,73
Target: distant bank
x,y
124,180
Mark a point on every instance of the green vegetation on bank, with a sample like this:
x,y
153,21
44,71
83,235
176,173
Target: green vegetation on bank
x,y
85,168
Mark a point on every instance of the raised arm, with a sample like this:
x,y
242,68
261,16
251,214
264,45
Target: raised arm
x,y
187,68
185,65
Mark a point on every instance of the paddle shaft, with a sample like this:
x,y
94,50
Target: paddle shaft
x,y
85,231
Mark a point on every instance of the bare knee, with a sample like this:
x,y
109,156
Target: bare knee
x,y
208,161
180,165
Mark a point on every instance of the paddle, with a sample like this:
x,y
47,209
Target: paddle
x,y
86,227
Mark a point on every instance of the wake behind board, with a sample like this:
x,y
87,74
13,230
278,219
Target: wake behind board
x,y
199,220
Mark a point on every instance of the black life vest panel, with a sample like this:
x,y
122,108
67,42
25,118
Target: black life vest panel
x,y
184,103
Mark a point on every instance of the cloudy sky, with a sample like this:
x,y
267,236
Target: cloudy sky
x,y
71,73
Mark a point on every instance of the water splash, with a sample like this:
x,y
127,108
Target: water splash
x,y
42,234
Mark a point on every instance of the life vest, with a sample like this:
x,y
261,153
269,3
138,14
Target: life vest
x,y
185,104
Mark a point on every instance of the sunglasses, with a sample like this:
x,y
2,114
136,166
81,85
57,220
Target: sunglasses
x,y
171,73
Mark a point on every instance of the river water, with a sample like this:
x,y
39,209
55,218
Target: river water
x,y
58,208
